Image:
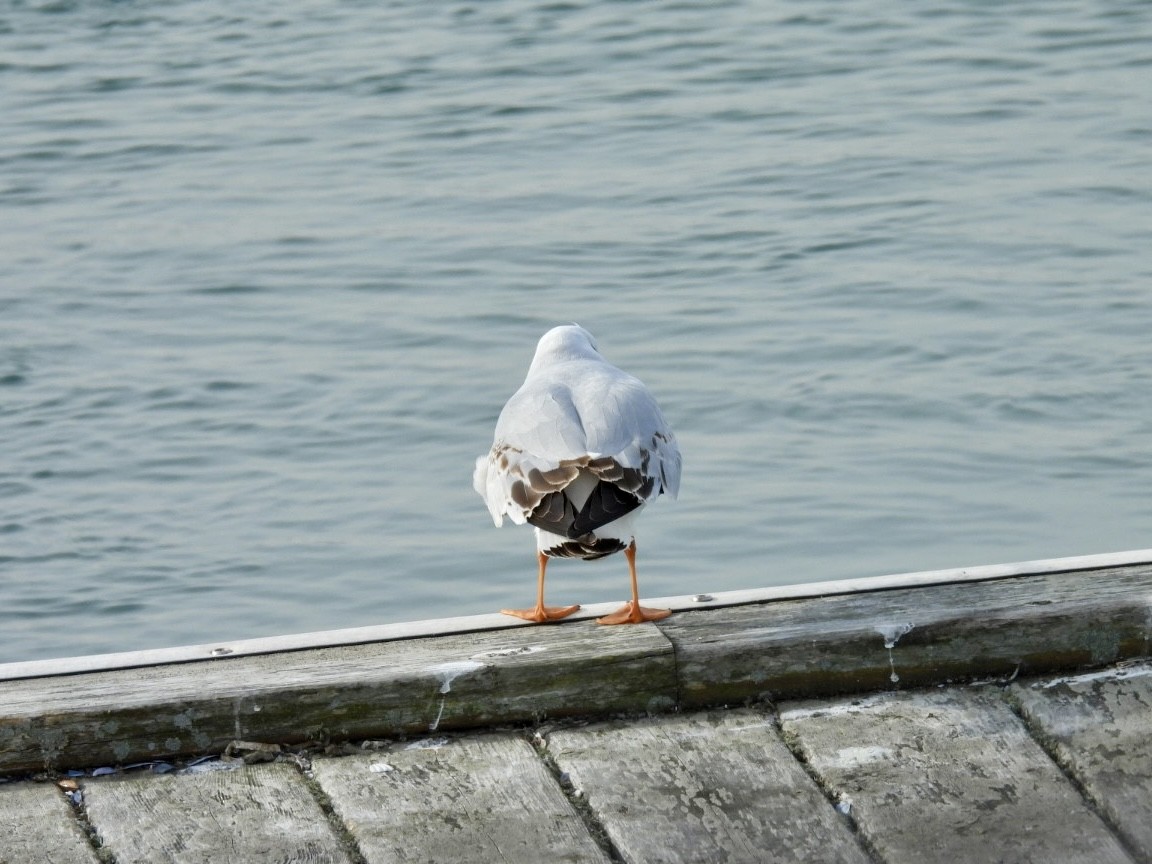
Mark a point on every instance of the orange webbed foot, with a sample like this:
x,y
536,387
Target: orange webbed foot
x,y
542,614
633,613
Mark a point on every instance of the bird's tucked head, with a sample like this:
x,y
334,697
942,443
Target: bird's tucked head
x,y
568,342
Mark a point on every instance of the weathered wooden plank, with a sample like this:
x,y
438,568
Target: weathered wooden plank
x,y
486,798
948,776
918,636
360,691
704,787
39,826
494,621
252,814
786,649
1100,727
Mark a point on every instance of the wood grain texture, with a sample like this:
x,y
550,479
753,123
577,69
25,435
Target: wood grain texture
x,y
705,787
948,776
1100,728
253,814
286,642
788,649
928,635
479,799
38,825
360,691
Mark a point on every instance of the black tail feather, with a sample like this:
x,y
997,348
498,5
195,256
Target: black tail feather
x,y
607,503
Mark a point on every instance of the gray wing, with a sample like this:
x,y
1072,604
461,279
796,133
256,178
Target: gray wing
x,y
582,415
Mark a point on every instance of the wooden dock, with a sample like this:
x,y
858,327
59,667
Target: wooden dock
x,y
990,714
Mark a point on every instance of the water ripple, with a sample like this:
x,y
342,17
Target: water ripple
x,y
270,273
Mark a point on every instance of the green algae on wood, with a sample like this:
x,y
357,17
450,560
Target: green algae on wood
x,y
911,637
363,691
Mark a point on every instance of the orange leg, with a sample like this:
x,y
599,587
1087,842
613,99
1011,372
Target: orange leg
x,y
541,613
632,612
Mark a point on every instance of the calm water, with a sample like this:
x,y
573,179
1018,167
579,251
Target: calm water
x,y
268,272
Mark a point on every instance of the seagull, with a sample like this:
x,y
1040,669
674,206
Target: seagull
x,y
579,450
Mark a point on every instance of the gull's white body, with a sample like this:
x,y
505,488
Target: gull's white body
x,y
578,427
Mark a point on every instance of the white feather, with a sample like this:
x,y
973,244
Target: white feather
x,y
573,407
